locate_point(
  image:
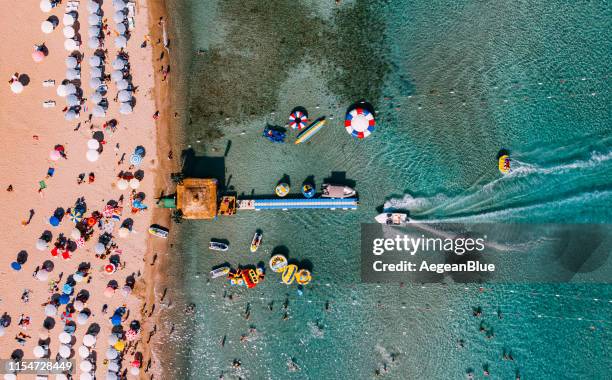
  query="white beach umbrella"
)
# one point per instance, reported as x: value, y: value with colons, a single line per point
x: 116, y: 75
x: 54, y: 155
x: 82, y: 318
x: 38, y: 352
x: 111, y: 353
x: 111, y: 376
x: 121, y: 28
x: 93, y: 144
x: 124, y: 232
x: 71, y: 62
x: 120, y: 42
x: 42, y: 275
x: 45, y: 6
x: 124, y: 96
x: 86, y: 366
x: 47, y: 27
x: 61, y: 90
x: 112, y: 339
x: 134, y: 183
x: 78, y: 305
x: 99, y: 248
x: 70, y: 89
x: 93, y: 7
x: 16, y: 87
x: 119, y: 5
x: 69, y: 18
x: 89, y: 340
x: 118, y: 64
x: 119, y: 16
x: 94, y: 20
x: 72, y: 101
x: 122, y: 84
x: 125, y: 109
x: 83, y: 352
x: 126, y: 291
x: 71, y: 45
x: 86, y: 376
x: 64, y: 337
x: 92, y: 155
x: 95, y: 83
x: 95, y: 61
x: 78, y: 277
x: 96, y: 98
x: 75, y: 234
x: 64, y: 351
x: 73, y: 74
x: 95, y: 72
x: 98, y: 111
x: 122, y: 184
x: 93, y: 31
x: 93, y: 42
x: 50, y: 310
x: 68, y: 31
x: 134, y: 371
x: 70, y: 115
x: 113, y: 366
x: 41, y: 245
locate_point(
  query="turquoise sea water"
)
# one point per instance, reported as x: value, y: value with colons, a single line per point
x: 453, y: 82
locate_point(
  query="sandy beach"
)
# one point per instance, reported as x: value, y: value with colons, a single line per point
x: 30, y: 133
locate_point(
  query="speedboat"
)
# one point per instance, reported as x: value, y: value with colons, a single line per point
x: 218, y: 246
x: 256, y: 242
x: 218, y: 272
x: 393, y: 218
x: 337, y: 191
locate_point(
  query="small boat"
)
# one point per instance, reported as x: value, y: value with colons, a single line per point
x: 218, y: 272
x: 310, y: 131
x: 282, y: 189
x: 256, y: 242
x: 158, y: 231
x: 392, y: 218
x: 308, y: 190
x: 337, y: 191
x: 274, y: 135
x: 218, y: 246
x: 504, y: 164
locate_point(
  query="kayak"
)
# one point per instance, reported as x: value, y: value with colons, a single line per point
x: 307, y: 133
x: 218, y: 272
x: 218, y: 246
x: 256, y: 242
x: 158, y: 231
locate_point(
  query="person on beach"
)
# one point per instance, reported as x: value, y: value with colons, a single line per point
x: 80, y: 178
x: 156, y: 115
x: 14, y: 78
x: 9, y: 188
x: 91, y: 178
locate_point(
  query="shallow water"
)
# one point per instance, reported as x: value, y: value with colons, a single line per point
x: 452, y: 83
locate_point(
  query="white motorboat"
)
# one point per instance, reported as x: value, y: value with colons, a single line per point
x: 337, y: 191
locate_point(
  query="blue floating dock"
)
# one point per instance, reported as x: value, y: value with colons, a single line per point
x: 300, y: 203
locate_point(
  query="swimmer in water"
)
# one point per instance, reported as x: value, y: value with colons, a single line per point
x: 460, y: 343
x: 285, y: 316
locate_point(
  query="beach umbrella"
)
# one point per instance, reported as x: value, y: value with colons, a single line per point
x: 120, y: 42
x: 111, y: 353
x: 95, y: 72
x: 94, y: 20
x: 109, y: 291
x: 131, y: 335
x: 82, y: 318
x: 64, y: 351
x: 135, y: 159
x: 117, y: 75
x: 38, y: 56
x: 94, y: 83
x: 16, y: 266
x: 70, y: 44
x: 54, y: 155
x: 111, y: 376
x: 122, y: 84
x: 76, y: 216
x: 75, y: 233
x: 119, y: 346
x: 99, y: 248
x: 112, y: 339
x: 71, y: 62
x: 126, y: 290
x: 16, y: 87
x: 124, y: 96
x: 50, y: 310
x: 93, y: 31
x: 78, y: 305
x: 110, y: 268
x: 45, y: 6
x: 89, y: 340
x: 92, y: 155
x: 78, y: 277
x: 125, y: 109
x: 41, y: 244
x: 54, y: 221
x: 121, y: 28
x: 93, y: 43
x: 72, y: 74
x: 67, y: 289
x: 86, y: 366
x: 93, y: 144
x: 70, y: 115
x: 115, y: 320
x: 93, y: 8
x: 98, y: 111
x: 118, y: 64
x: 83, y: 352
x: 72, y: 101
x: 69, y: 18
x: 61, y: 90
x: 47, y: 27
x: 119, y: 16
x: 64, y: 337
x: 134, y: 183
x: 68, y: 31
x: 122, y: 184
x: 96, y: 98
x: 119, y: 5
x: 95, y: 61
x: 66, y: 89
x: 123, y: 232
x: 113, y: 366
x: 42, y: 275
x: 38, y: 352
x: 64, y: 299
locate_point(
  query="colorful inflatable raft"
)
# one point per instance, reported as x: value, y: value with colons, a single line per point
x: 307, y: 133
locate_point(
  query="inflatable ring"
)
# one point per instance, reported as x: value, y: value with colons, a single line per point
x: 289, y: 273
x: 278, y: 263
x: 303, y: 277
x: 282, y: 189
x: 298, y: 120
x: 359, y: 123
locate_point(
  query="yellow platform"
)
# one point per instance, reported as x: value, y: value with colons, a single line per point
x: 197, y: 198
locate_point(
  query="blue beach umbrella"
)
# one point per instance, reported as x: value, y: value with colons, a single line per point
x: 67, y: 289
x: 64, y: 299
x: 54, y: 221
x: 15, y: 265
x: 116, y: 320
x: 135, y: 159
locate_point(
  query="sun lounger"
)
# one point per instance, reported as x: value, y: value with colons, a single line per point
x: 131, y: 6
x: 49, y: 104
x: 48, y: 83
